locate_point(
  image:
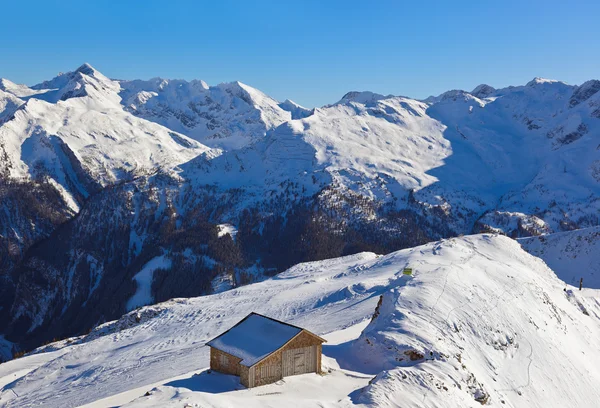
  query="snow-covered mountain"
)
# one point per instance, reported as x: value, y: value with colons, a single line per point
x: 525, y: 155
x: 74, y: 130
x: 369, y: 172
x: 480, y: 322
x: 358, y: 146
x: 522, y: 160
x: 62, y: 141
x: 226, y: 116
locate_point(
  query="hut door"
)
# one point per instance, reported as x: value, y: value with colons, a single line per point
x: 299, y: 361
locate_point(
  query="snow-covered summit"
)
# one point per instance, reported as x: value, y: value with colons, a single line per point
x: 362, y: 97
x: 84, y: 81
x: 542, y: 81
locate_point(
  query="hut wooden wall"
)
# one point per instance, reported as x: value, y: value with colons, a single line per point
x: 299, y: 361
x: 223, y: 362
x: 271, y: 369
x: 245, y: 376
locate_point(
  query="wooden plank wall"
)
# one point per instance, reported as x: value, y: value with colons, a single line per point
x: 246, y: 379
x: 224, y: 362
x: 272, y: 368
x: 299, y: 361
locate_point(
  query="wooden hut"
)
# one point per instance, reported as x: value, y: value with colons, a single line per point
x: 261, y: 350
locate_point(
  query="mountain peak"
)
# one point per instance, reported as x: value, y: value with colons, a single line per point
x: 539, y: 81
x: 362, y: 97
x: 483, y: 91
x: 64, y: 78
x: 6, y: 84
x: 86, y: 69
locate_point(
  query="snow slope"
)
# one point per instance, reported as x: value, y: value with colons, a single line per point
x: 527, y: 149
x: 572, y: 255
x: 480, y: 320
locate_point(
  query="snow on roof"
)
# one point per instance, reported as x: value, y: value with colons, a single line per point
x: 254, y: 338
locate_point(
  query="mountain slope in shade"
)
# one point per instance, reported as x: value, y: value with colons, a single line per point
x: 480, y: 321
x: 9, y: 103
x: 573, y: 255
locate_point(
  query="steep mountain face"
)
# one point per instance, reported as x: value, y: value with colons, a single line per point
x: 479, y: 322
x: 9, y: 104
x: 370, y: 172
x: 226, y: 116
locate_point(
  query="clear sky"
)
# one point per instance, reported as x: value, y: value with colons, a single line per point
x: 309, y: 51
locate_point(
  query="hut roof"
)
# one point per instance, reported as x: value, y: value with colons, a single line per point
x: 255, y: 337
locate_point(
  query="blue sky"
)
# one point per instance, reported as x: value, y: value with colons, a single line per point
x: 309, y: 51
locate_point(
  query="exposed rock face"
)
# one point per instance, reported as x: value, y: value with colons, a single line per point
x: 584, y: 92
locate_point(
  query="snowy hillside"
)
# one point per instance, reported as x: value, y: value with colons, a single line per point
x: 479, y: 322
x: 572, y: 255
